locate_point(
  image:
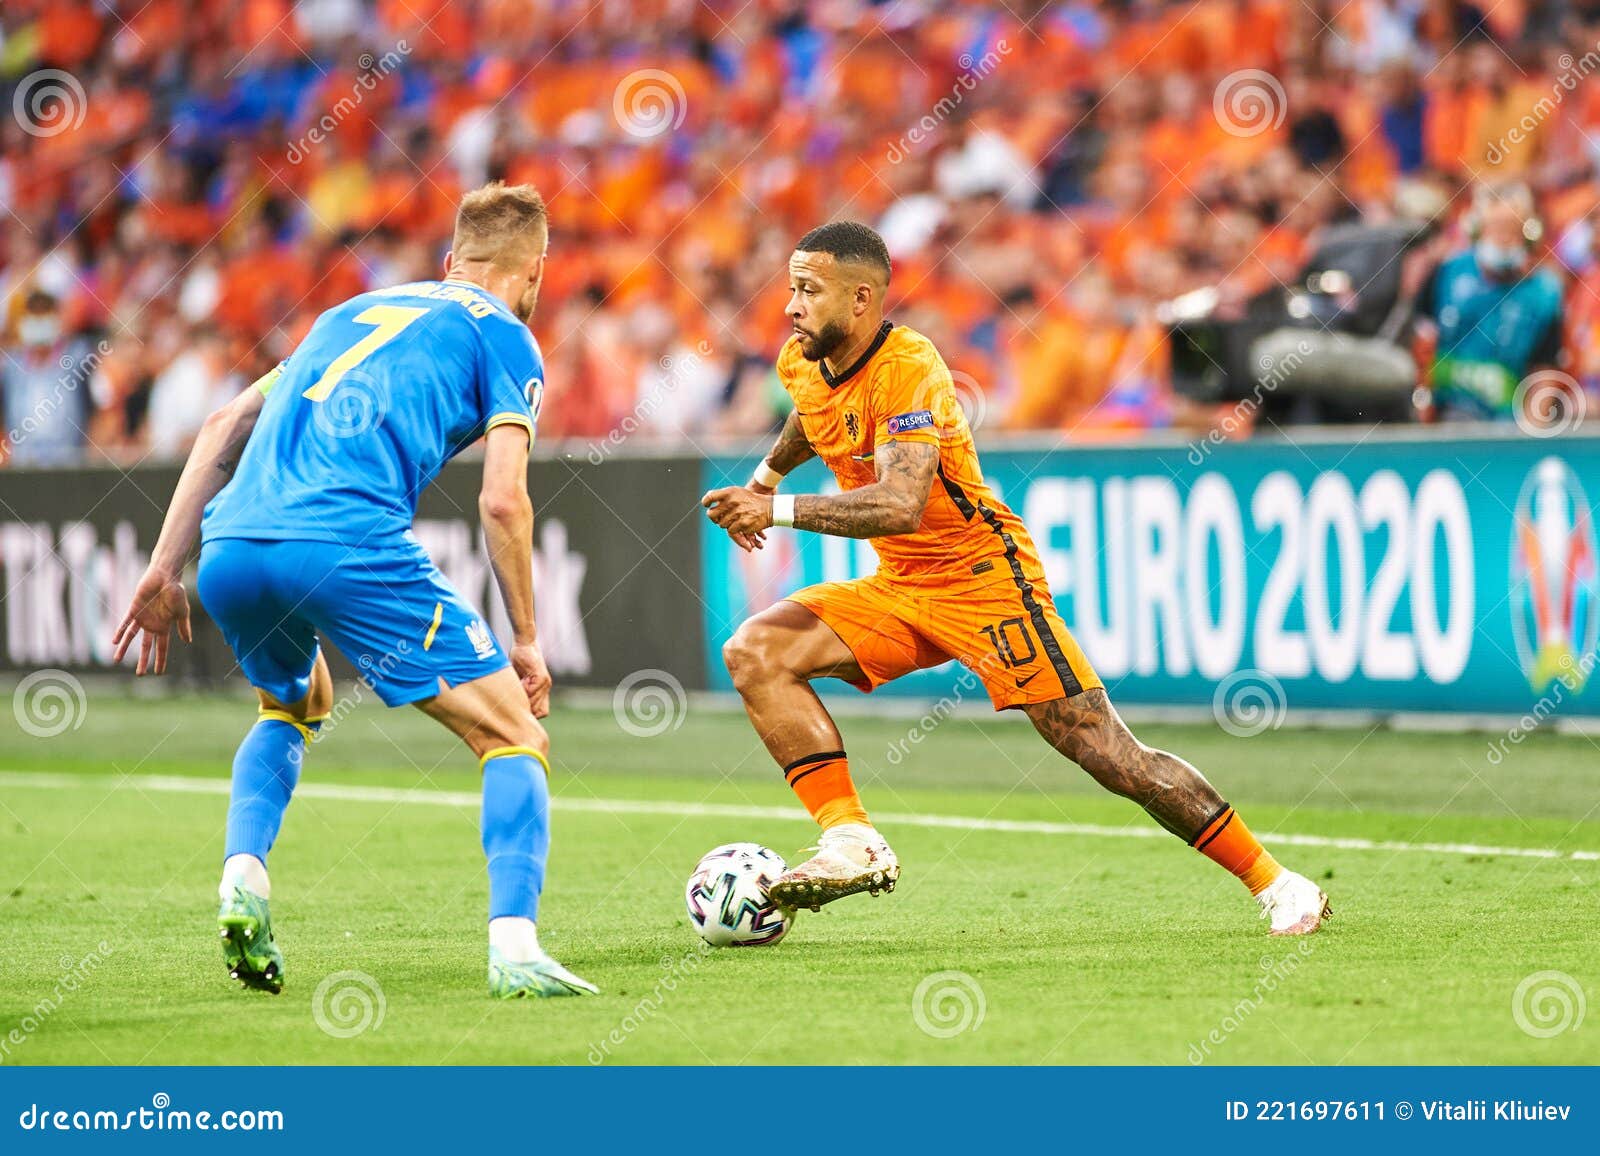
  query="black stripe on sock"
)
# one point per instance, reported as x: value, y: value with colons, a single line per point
x: 813, y: 758
x: 1221, y: 827
x: 803, y: 774
x: 1206, y: 826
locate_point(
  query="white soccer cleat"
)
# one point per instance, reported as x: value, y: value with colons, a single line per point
x: 851, y: 857
x: 1294, y: 904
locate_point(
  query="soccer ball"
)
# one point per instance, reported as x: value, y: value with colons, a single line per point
x: 727, y: 897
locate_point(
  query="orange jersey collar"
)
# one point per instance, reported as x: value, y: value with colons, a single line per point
x: 860, y: 363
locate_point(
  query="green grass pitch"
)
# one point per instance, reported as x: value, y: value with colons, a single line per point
x: 1070, y: 948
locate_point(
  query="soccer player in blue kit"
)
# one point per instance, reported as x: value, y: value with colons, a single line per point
x: 303, y: 490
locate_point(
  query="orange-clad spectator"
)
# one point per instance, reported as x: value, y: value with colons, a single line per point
x: 1256, y: 35
x: 264, y: 25
x: 1062, y: 178
x: 873, y: 82
x: 1451, y: 110
x: 432, y: 29
x: 262, y: 281
x: 69, y: 32
x: 1040, y: 352
x: 1372, y: 167
x: 1582, y: 335
x: 1505, y: 132
x: 1063, y: 357
x: 150, y: 28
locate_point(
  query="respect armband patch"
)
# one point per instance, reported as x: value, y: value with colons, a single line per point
x: 906, y: 422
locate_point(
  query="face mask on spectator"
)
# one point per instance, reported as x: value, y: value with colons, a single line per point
x: 39, y: 329
x: 1499, y: 261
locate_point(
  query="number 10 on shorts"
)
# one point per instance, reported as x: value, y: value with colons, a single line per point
x: 1000, y: 639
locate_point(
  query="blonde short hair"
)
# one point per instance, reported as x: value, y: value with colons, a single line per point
x: 500, y: 224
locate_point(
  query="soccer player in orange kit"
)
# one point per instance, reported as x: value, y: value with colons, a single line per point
x: 958, y: 577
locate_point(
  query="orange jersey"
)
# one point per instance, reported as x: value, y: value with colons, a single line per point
x: 901, y: 390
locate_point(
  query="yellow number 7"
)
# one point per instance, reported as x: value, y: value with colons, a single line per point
x: 389, y: 320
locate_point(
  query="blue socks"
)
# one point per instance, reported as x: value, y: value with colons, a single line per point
x: 265, y: 772
x: 516, y: 809
x: 516, y: 830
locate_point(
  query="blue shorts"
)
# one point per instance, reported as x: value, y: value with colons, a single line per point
x: 386, y: 608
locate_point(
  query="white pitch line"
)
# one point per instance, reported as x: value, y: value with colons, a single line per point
x: 174, y: 784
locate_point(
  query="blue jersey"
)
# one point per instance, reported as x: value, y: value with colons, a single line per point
x: 1491, y: 334
x: 384, y: 390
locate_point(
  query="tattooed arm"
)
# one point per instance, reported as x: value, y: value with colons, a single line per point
x: 891, y: 505
x: 792, y: 448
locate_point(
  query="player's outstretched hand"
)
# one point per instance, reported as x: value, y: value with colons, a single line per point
x: 528, y: 662
x: 159, y: 603
x: 757, y: 540
x: 743, y: 511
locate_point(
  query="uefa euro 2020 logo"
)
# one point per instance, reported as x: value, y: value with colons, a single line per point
x: 1555, y: 590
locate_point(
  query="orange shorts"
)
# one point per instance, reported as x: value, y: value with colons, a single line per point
x: 1008, y: 634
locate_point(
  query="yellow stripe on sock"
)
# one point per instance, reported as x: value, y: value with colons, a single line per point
x: 438, y: 615
x: 284, y: 716
x: 499, y: 752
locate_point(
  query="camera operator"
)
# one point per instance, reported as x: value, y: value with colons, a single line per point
x: 1495, y: 313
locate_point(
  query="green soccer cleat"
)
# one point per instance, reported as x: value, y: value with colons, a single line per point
x: 248, y: 948
x: 542, y: 978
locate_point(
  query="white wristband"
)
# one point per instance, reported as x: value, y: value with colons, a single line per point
x: 767, y: 476
x: 783, y: 509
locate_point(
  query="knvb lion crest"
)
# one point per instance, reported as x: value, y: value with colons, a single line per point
x: 852, y: 425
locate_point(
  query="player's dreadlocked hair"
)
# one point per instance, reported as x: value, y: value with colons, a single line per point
x: 500, y: 223
x: 848, y: 241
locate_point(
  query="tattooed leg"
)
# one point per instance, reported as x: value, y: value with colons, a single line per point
x: 1087, y: 729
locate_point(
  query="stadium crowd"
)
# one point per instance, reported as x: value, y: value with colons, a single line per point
x: 187, y: 183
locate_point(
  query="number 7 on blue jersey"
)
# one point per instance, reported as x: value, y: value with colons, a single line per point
x: 388, y: 321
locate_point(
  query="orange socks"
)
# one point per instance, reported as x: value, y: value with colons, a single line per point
x: 1227, y: 842
x: 824, y: 786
